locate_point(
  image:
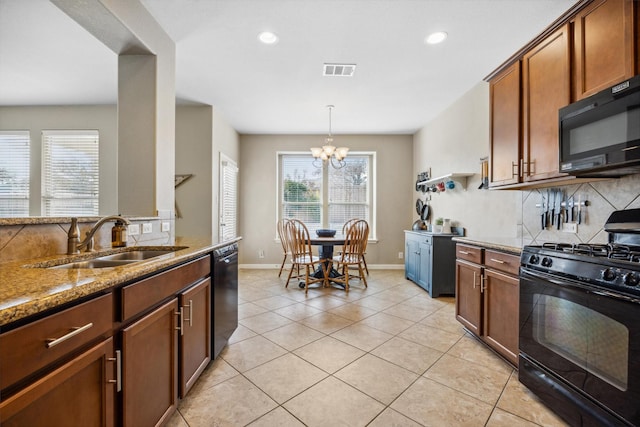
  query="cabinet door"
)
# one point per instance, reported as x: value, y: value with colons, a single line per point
x: 412, y: 259
x: 424, y: 266
x: 469, y: 296
x: 505, y: 106
x: 79, y: 393
x: 546, y: 88
x: 150, y: 367
x: 195, y: 333
x: 501, y: 310
x: 605, y: 51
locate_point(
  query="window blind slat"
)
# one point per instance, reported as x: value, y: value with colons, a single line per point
x: 70, y: 173
x: 14, y: 173
x: 229, y: 200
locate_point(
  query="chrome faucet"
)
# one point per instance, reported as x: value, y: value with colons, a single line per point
x: 74, y: 245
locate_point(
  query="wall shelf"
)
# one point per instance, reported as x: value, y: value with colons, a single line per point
x: 459, y: 178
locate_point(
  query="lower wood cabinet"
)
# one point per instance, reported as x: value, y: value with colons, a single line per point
x: 487, y: 297
x: 79, y: 393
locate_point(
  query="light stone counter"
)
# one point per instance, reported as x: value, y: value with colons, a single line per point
x: 504, y: 244
x: 27, y: 290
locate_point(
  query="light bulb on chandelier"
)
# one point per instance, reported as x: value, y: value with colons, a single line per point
x: 328, y: 152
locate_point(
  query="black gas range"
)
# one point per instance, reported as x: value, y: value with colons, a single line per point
x: 579, y: 328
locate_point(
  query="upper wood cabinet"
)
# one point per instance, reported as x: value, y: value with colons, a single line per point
x: 604, y: 47
x: 505, y: 99
x: 546, y: 88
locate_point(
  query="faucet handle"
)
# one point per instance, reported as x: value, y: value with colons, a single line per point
x: 89, y: 244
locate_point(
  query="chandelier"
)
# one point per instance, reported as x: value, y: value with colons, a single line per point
x: 328, y: 153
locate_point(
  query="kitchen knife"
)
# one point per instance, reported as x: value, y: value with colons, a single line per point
x: 579, y: 208
x: 553, y: 207
x: 558, y: 209
x: 543, y: 216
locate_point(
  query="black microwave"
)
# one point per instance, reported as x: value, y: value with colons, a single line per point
x: 600, y: 135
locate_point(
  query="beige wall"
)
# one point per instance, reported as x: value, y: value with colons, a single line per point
x: 102, y: 118
x: 454, y: 142
x: 258, y: 188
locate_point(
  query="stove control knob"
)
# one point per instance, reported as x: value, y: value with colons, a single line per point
x: 546, y: 262
x: 533, y: 259
x: 631, y: 279
x: 609, y: 274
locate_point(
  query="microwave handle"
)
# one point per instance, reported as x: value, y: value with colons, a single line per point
x: 580, y: 111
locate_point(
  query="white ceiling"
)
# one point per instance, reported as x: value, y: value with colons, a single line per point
x: 399, y: 85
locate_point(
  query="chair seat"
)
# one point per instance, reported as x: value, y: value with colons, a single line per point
x: 306, y: 259
x: 347, y: 258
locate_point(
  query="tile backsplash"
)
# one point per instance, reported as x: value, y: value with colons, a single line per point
x: 603, y: 197
x: 29, y: 241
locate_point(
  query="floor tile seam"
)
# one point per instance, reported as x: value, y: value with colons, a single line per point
x: 504, y: 389
x: 297, y: 348
x: 421, y: 374
x: 361, y: 349
x: 489, y: 366
x: 493, y: 405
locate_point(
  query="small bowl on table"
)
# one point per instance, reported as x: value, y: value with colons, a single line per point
x: 325, y: 232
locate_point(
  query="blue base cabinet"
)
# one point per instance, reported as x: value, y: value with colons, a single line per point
x: 430, y: 261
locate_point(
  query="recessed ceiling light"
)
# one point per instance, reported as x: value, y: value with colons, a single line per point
x: 437, y: 37
x: 267, y: 37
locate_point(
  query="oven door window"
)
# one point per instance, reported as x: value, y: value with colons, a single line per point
x: 592, y: 341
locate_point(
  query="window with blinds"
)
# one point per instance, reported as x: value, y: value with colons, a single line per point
x: 14, y: 173
x: 326, y: 197
x: 229, y: 198
x: 70, y: 172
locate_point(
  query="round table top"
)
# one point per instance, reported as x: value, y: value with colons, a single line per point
x: 338, y: 239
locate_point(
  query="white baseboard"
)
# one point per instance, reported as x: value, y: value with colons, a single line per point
x: 277, y: 266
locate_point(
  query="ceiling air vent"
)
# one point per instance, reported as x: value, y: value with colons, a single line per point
x: 339, y: 70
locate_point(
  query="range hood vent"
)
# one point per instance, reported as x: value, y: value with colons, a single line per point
x: 339, y: 70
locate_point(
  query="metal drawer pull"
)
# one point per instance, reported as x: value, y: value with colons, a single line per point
x: 483, y: 286
x: 51, y: 342
x: 118, y: 360
x: 474, y: 280
x: 499, y: 261
x: 180, y: 314
x: 463, y: 252
x: 190, y: 307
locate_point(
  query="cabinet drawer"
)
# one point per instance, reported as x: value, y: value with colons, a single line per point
x: 146, y: 293
x: 25, y: 350
x: 469, y: 253
x: 428, y: 240
x: 501, y: 261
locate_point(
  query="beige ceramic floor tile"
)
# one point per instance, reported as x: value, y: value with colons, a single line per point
x: 251, y: 352
x: 264, y: 322
x: 443, y: 319
x: 278, y: 417
x: 393, y: 295
x: 410, y: 312
x: 431, y: 337
x: 377, y: 378
x: 284, y: 377
x: 353, y: 312
x: 409, y: 355
x: 235, y: 402
x: 362, y: 336
x: 325, y: 303
x: 241, y: 333
x: 476, y: 380
x: 391, y: 418
x: 500, y: 418
x: 297, y: 311
x: 471, y: 349
x: 293, y: 336
x: 329, y: 354
x: 217, y: 372
x: 387, y: 323
x: 518, y: 400
x: 433, y: 404
x: 375, y: 303
x: 275, y: 302
x: 333, y: 403
x: 326, y: 322
x: 249, y: 309
x: 176, y: 420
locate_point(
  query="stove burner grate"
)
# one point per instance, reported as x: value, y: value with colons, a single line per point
x: 610, y: 250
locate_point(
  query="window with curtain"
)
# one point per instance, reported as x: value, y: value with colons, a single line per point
x: 326, y: 197
x: 14, y: 173
x: 70, y: 172
x: 228, y: 198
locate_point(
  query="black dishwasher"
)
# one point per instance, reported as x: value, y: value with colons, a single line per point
x: 225, y: 296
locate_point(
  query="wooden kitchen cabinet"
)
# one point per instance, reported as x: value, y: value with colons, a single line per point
x: 546, y: 88
x: 79, y: 393
x: 487, y: 297
x: 195, y: 333
x: 505, y: 127
x: 150, y: 367
x: 604, y: 46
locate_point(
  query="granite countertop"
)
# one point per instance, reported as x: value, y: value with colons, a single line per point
x: 27, y: 289
x: 511, y: 245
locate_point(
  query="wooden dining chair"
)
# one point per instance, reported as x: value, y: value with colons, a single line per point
x: 282, y: 235
x: 354, y: 245
x: 299, y: 241
x: 345, y: 227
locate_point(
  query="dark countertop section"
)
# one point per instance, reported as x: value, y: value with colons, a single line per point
x: 512, y: 245
x: 27, y: 287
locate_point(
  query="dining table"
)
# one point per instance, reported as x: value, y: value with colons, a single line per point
x: 325, y: 252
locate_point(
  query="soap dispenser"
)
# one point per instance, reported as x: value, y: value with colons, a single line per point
x: 119, y: 235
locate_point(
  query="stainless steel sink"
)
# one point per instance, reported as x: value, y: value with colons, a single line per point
x: 94, y: 263
x: 120, y: 259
